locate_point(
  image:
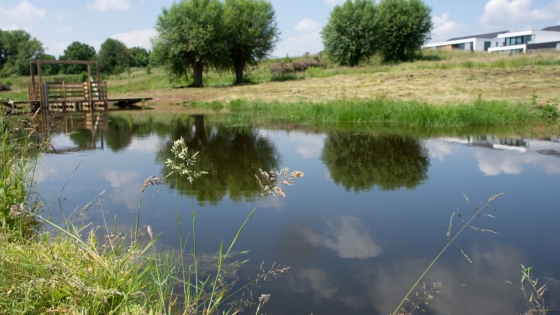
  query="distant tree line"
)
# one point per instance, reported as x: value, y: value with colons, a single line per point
x: 17, y: 48
x: 360, y: 29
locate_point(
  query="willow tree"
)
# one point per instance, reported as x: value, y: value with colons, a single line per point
x: 351, y: 34
x: 405, y: 26
x: 252, y: 32
x: 191, y: 36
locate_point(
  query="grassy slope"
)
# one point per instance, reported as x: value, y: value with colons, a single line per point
x: 443, y: 77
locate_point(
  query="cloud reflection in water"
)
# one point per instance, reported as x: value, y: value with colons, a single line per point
x: 348, y: 239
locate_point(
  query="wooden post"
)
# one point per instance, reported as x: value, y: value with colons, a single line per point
x: 32, y: 90
x: 40, y: 78
x: 97, y: 70
x: 89, y: 87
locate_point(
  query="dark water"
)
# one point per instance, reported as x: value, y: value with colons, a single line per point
x: 368, y: 217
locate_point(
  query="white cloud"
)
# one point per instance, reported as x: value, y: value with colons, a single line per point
x: 307, y: 26
x: 349, y: 239
x: 314, y: 281
x: 103, y: 5
x: 494, y: 162
x: 57, y: 48
x: 139, y: 38
x: 126, y: 186
x: 512, y: 13
x: 438, y: 149
x: 146, y: 145
x: 24, y: 13
x: 308, y: 40
x: 444, y: 28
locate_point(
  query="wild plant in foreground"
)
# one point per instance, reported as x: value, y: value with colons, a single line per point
x: 19, y: 154
x: 204, y: 292
x: 478, y: 212
x: 534, y: 294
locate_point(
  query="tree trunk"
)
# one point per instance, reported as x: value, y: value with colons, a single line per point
x: 239, y: 66
x: 200, y: 131
x: 197, y: 70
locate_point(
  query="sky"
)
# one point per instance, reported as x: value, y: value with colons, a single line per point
x: 58, y: 23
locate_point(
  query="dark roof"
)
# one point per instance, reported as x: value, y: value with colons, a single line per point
x: 489, y: 35
x: 555, y: 28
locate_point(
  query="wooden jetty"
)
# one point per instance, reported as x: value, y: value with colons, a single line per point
x: 71, y: 96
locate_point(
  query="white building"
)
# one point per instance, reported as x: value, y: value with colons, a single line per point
x: 522, y: 41
x: 480, y: 42
x: 548, y: 38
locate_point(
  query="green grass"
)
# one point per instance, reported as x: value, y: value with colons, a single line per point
x: 19, y: 153
x: 380, y: 110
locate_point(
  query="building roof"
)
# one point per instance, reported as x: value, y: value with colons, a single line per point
x: 555, y: 28
x: 489, y: 35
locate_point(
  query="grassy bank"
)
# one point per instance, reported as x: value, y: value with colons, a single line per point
x: 49, y: 268
x: 381, y: 110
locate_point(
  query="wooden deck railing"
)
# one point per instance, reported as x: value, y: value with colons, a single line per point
x: 72, y: 96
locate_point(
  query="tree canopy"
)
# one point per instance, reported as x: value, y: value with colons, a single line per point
x: 361, y: 161
x: 140, y: 56
x: 17, y: 48
x: 405, y: 26
x: 77, y: 51
x: 252, y: 32
x: 191, y: 36
x: 359, y: 29
x: 351, y: 33
x: 114, y: 57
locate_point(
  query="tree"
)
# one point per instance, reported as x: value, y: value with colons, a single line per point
x: 361, y: 161
x: 191, y: 35
x: 17, y: 48
x: 114, y: 57
x: 405, y: 26
x: 50, y: 69
x: 252, y: 32
x: 140, y: 56
x: 351, y: 34
x: 77, y: 51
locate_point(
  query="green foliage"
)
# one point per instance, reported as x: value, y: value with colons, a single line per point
x: 19, y: 152
x: 549, y: 111
x: 405, y: 26
x: 17, y: 48
x: 149, y: 69
x: 191, y: 35
x: 252, y: 32
x: 83, y: 77
x: 140, y: 57
x: 482, y: 113
x: 49, y: 69
x: 389, y: 162
x: 77, y: 51
x: 352, y: 32
x: 114, y: 57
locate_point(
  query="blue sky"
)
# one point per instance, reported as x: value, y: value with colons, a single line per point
x: 58, y: 23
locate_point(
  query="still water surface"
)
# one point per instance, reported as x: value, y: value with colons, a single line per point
x: 370, y: 214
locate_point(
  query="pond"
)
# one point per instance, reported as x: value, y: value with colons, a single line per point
x: 368, y: 217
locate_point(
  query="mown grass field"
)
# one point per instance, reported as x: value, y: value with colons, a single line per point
x: 438, y: 78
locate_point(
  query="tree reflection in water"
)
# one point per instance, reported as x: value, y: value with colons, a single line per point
x: 231, y: 156
x: 361, y: 161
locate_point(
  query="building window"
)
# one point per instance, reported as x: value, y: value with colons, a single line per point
x: 519, y: 40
